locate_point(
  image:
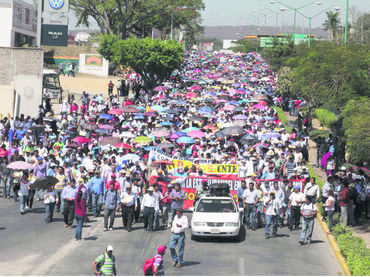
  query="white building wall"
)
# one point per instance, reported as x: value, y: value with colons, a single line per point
x: 97, y: 70
x: 6, y: 25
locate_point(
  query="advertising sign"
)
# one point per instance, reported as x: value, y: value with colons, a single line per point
x: 189, y: 185
x: 56, y: 6
x: 54, y: 35
x: 93, y: 60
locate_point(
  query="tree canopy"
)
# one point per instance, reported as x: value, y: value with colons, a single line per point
x: 153, y: 59
x: 138, y: 17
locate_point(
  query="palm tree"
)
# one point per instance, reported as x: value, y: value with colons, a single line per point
x: 332, y: 23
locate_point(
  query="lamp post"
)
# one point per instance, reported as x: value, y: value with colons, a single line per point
x: 295, y: 11
x: 346, y: 25
x: 312, y: 17
x: 265, y: 15
x: 277, y: 16
x: 256, y: 24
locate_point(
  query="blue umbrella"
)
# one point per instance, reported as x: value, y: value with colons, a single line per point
x: 180, y: 134
x: 205, y: 109
x: 210, y: 93
x: 148, y: 148
x: 158, y: 108
x: 106, y: 116
x: 140, y: 108
x: 139, y: 116
x: 185, y: 140
x: 166, y: 123
x: 103, y: 131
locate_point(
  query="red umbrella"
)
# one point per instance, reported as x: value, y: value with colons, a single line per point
x: 80, y: 140
x: 115, y: 111
x: 195, y: 87
x: 129, y: 109
x: 264, y: 103
x: 122, y: 145
x: 190, y: 95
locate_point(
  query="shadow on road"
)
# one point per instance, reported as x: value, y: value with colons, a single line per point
x: 317, y: 241
x: 282, y: 236
x: 91, y: 238
x: 2, y: 228
x: 38, y: 211
x: 190, y: 263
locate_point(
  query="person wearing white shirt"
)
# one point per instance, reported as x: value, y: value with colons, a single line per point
x: 149, y: 205
x: 273, y: 210
x: 312, y: 189
x: 128, y: 205
x: 88, y: 162
x: 179, y: 225
x: 250, y: 200
x: 295, y: 201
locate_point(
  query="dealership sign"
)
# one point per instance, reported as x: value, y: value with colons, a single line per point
x: 57, y: 6
x: 54, y: 35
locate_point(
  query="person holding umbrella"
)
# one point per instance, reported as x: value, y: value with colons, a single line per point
x: 50, y: 197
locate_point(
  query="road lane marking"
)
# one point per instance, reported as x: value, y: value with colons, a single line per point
x: 241, y: 266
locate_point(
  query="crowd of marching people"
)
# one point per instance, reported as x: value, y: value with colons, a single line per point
x: 216, y: 110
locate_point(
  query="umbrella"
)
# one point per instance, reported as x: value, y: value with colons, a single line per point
x: 196, y: 134
x: 180, y: 134
x: 240, y: 117
x: 185, y: 140
x: 195, y: 118
x: 127, y: 135
x: 258, y: 106
x: 161, y: 133
x: 205, y: 109
x: 190, y: 95
x: 158, y: 108
x: 131, y: 157
x: 110, y: 141
x: 89, y: 126
x: 122, y: 145
x: 73, y: 145
x: 163, y: 162
x: 173, y: 111
x: 129, y: 109
x: 105, y: 116
x: 210, y: 127
x: 37, y: 127
x: 149, y: 114
x: 20, y: 165
x: 160, y: 88
x: 187, y: 130
x: 166, y: 123
x: 166, y: 145
x: 80, y: 140
x: 148, y: 148
x: 139, y: 116
x: 44, y: 182
x: 102, y: 131
x: 263, y: 103
x: 115, y: 111
x: 142, y: 140
x: 233, y: 131
x: 195, y: 87
x: 106, y: 127
x: 270, y: 135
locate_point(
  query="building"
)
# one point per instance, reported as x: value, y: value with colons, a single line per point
x: 18, y: 23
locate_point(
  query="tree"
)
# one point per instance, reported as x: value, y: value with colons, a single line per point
x: 362, y: 28
x: 137, y: 17
x: 279, y: 53
x: 246, y: 46
x: 154, y: 60
x: 332, y: 23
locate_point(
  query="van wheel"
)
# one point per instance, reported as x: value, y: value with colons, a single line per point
x: 193, y: 237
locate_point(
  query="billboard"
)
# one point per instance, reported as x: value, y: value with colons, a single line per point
x: 56, y: 6
x: 54, y: 35
x: 93, y: 60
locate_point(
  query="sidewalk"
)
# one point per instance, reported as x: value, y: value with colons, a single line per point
x: 363, y: 229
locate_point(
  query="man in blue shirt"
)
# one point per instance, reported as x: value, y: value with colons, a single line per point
x: 177, y: 196
x: 111, y: 204
x: 96, y: 189
x: 68, y: 195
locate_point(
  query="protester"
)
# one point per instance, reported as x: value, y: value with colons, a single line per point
x: 110, y: 205
x: 128, y: 205
x: 80, y: 213
x: 105, y: 265
x: 68, y: 195
x: 308, y: 211
x: 273, y: 209
x: 180, y: 224
x: 329, y: 208
x: 250, y: 201
x: 50, y: 198
x: 149, y: 206
x: 295, y: 201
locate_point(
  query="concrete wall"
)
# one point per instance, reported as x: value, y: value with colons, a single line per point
x: 97, y: 70
x: 6, y: 25
x: 21, y: 71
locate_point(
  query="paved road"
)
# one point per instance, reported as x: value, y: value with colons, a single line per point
x: 31, y: 247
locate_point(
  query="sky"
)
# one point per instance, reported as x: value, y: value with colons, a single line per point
x: 234, y: 12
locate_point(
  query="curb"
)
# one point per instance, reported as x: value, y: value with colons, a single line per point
x: 334, y: 246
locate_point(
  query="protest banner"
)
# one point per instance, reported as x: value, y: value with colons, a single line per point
x: 208, y: 168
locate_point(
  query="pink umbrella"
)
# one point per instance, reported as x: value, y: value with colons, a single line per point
x: 149, y: 114
x: 222, y: 101
x: 232, y: 90
x: 228, y: 108
x: 263, y: 103
x: 20, y: 165
x: 190, y: 95
x: 174, y: 136
x: 80, y: 140
x: 195, y: 87
x: 161, y: 133
x: 122, y: 145
x: 115, y: 111
x: 107, y: 127
x: 160, y: 88
x: 197, y: 70
x: 196, y: 134
x: 258, y: 106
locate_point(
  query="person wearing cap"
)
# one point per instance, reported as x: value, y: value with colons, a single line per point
x: 62, y: 181
x: 308, y: 211
x: 295, y: 201
x: 68, y: 195
x: 273, y: 210
x: 269, y: 174
x: 179, y: 225
x: 96, y: 188
x: 159, y: 196
x: 106, y: 262
x: 39, y: 171
x: 111, y: 202
x: 116, y: 184
x: 149, y: 206
x: 167, y: 218
x: 128, y: 205
x: 27, y: 141
x: 158, y: 267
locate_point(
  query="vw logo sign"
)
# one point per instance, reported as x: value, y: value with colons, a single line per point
x: 56, y: 4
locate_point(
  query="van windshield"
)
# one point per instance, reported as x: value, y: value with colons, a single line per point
x: 216, y: 206
x: 51, y: 81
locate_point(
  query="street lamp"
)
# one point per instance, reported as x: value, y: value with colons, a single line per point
x: 256, y: 24
x: 265, y: 15
x: 295, y: 11
x: 312, y: 17
x: 277, y: 16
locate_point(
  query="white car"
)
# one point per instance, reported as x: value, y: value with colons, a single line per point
x: 216, y: 216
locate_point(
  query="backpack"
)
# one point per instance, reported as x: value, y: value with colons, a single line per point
x: 148, y: 266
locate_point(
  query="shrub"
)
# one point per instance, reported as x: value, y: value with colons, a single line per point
x: 283, y: 119
x: 315, y: 134
x: 325, y: 117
